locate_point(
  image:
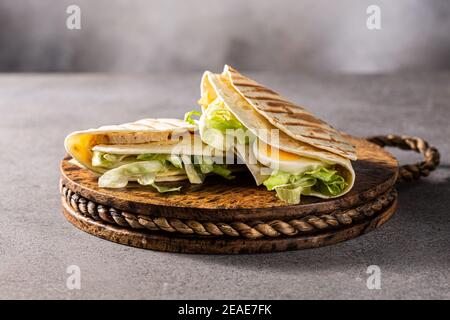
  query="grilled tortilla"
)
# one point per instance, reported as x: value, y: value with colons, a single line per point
x: 290, y: 118
x: 146, y: 151
x: 150, y: 132
x: 304, y: 153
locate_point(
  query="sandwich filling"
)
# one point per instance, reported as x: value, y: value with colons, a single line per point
x: 148, y: 168
x: 289, y: 174
x: 231, y: 120
x: 148, y: 152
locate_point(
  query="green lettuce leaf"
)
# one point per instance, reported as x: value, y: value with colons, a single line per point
x: 144, y: 172
x: 146, y: 179
x: 193, y: 176
x: 290, y: 195
x: 162, y: 189
x: 152, y: 156
x: 329, y: 181
x: 175, y: 161
x: 144, y: 168
x: 204, y: 164
x: 108, y: 161
x: 222, y: 170
x: 219, y: 128
x: 215, y: 138
x: 290, y: 187
x: 207, y: 165
x: 149, y: 180
x: 188, y: 116
x: 277, y: 179
x: 217, y: 116
x: 119, y: 177
x: 165, y: 159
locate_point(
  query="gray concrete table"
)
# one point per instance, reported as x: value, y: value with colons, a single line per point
x: 37, y: 244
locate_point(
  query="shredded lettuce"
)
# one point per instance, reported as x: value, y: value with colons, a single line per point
x: 188, y: 116
x: 198, y: 167
x: 144, y: 168
x: 290, y: 195
x: 175, y: 161
x: 221, y: 170
x: 219, y: 127
x: 278, y: 178
x: 152, y: 156
x: 220, y: 118
x: 119, y: 177
x: 108, y: 161
x: 329, y: 182
x: 162, y: 189
x: 215, y: 138
x: 146, y: 179
x: 144, y: 172
x: 206, y: 165
x: 290, y: 187
x: 193, y: 176
x: 165, y: 159
x: 149, y: 180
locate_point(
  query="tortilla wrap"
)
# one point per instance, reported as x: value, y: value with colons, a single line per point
x: 148, y: 136
x: 221, y: 86
x: 290, y: 118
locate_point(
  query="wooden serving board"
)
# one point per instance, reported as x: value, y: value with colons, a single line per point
x: 223, y: 216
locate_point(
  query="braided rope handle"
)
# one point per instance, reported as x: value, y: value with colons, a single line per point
x: 409, y: 172
x: 249, y: 230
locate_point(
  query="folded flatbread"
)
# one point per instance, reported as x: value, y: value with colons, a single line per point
x: 286, y: 148
x: 147, y: 151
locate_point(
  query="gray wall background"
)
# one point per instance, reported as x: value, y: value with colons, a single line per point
x: 193, y: 35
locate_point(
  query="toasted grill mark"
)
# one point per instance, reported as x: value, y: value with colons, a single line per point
x: 319, y: 131
x: 247, y: 84
x: 284, y: 103
x: 301, y: 123
x: 298, y: 123
x: 294, y: 118
x: 266, y: 98
x: 254, y: 88
x: 300, y: 118
x: 304, y: 116
x: 275, y: 109
x: 314, y: 137
x: 262, y: 89
x: 330, y: 139
x: 307, y: 117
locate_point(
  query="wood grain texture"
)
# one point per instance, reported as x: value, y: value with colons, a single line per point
x: 161, y: 241
x: 250, y: 230
x: 240, y: 199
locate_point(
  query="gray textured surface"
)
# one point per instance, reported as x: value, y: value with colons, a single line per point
x: 261, y: 35
x: 37, y: 243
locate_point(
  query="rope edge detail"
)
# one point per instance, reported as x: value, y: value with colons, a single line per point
x: 249, y: 230
x: 417, y: 170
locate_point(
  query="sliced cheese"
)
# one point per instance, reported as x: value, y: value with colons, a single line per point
x: 277, y: 159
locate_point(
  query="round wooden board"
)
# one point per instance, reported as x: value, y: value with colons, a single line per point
x: 240, y: 199
x: 163, y: 241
